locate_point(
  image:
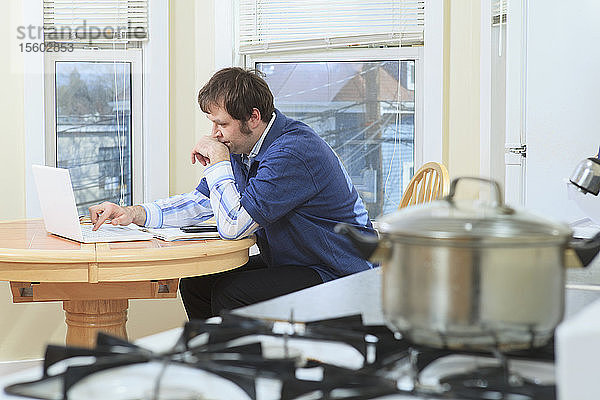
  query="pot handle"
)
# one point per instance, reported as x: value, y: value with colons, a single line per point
x: 499, y: 203
x: 365, y: 245
x: 585, y: 251
x: 368, y: 246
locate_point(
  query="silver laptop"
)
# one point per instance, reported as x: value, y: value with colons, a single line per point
x: 60, y: 212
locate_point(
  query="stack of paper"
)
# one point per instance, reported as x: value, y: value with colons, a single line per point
x: 584, y: 228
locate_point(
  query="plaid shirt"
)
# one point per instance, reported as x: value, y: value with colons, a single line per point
x: 192, y: 208
x: 187, y: 209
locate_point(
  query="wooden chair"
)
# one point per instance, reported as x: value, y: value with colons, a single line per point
x: 431, y: 182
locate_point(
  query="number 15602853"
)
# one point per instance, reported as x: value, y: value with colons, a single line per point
x: 45, y: 47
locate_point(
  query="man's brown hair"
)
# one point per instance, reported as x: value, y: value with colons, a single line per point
x: 239, y: 91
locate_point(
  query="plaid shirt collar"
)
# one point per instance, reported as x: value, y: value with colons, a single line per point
x: 247, y: 159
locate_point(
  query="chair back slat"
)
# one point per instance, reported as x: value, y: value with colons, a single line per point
x: 435, y: 190
x: 429, y: 183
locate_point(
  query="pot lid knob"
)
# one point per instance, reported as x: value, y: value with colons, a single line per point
x: 499, y: 203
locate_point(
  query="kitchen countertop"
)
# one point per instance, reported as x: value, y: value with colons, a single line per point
x: 589, y: 276
x: 353, y: 294
x: 360, y: 293
x: 583, y: 277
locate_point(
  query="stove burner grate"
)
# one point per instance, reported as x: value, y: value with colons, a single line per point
x: 493, y: 383
x: 232, y: 352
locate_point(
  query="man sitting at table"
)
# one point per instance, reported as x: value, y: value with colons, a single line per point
x: 266, y: 174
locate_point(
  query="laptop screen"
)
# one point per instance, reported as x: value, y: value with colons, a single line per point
x: 57, y: 201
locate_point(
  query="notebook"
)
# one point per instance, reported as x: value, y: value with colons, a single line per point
x: 60, y: 212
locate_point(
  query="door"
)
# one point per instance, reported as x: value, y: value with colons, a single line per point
x: 553, y: 100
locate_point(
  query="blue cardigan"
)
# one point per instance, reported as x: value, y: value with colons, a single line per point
x: 297, y: 190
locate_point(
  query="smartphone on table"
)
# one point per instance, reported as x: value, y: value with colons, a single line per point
x: 199, y: 228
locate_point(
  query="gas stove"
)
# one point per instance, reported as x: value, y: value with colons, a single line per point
x: 235, y: 357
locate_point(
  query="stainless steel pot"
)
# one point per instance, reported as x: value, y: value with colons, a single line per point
x: 472, y: 275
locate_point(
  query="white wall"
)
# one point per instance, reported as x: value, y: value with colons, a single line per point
x: 462, y: 67
x: 562, y: 101
x: 192, y: 64
x: 12, y: 141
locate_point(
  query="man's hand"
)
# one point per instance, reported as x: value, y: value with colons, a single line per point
x: 209, y: 151
x: 118, y: 215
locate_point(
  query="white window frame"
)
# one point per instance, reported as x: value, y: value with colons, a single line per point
x: 363, y: 55
x: 155, y: 108
x: 132, y: 56
x: 432, y: 72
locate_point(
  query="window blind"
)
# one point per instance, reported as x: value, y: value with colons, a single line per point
x: 279, y: 25
x: 95, y: 21
x: 499, y: 12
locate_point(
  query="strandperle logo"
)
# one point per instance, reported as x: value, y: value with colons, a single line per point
x: 83, y: 31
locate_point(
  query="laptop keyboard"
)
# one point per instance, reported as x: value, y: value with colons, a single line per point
x: 107, y: 232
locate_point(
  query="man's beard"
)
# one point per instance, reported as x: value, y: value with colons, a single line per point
x: 245, y: 129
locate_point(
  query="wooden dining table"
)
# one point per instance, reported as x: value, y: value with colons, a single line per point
x: 95, y: 281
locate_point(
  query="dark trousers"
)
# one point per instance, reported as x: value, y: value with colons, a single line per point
x: 205, y: 296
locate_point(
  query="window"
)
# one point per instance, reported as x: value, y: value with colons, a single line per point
x: 364, y: 110
x: 93, y: 88
x: 93, y: 123
x: 353, y: 71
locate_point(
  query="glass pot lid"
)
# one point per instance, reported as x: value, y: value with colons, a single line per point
x: 472, y: 220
